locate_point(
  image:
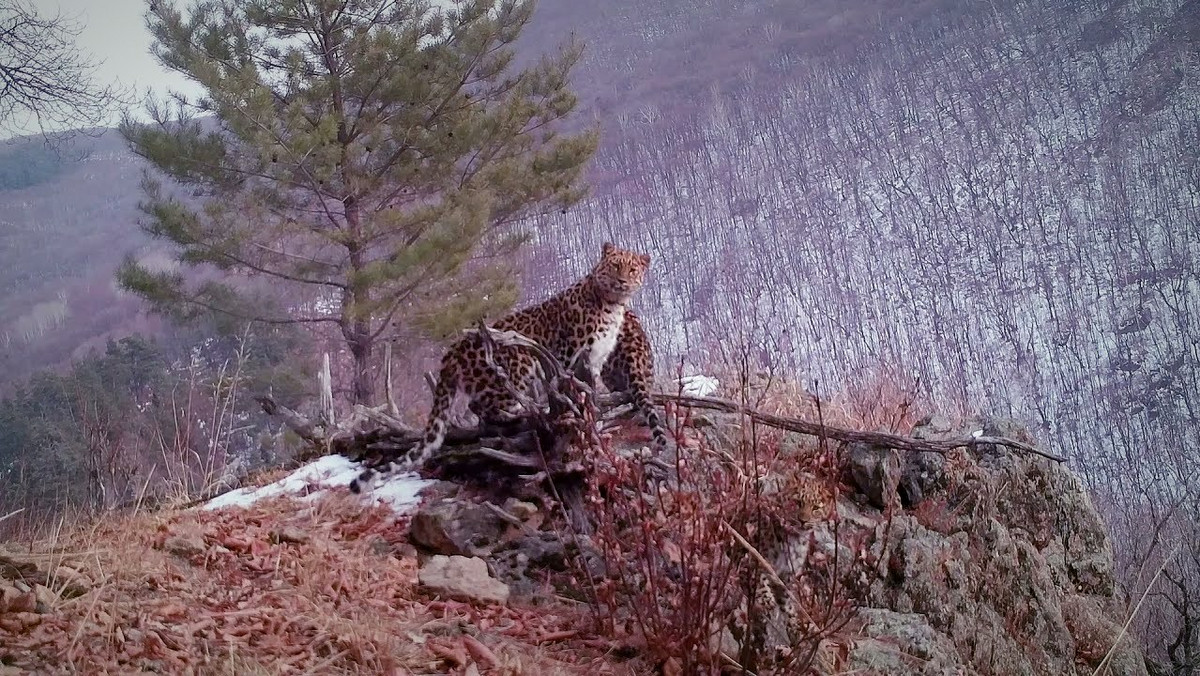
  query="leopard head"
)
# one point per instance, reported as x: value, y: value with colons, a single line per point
x: 619, y: 273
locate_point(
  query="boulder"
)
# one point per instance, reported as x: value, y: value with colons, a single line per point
x: 463, y: 578
x: 455, y: 526
x: 875, y: 472
x: 994, y: 562
x: 894, y: 639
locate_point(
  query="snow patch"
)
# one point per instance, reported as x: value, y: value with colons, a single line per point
x: 698, y: 385
x: 313, y: 480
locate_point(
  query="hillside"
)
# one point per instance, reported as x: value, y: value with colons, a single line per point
x: 64, y: 227
x: 995, y: 208
x: 853, y: 180
x: 992, y: 209
x: 983, y: 560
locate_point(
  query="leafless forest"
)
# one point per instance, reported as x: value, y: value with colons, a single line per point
x: 1001, y: 199
x: 998, y: 201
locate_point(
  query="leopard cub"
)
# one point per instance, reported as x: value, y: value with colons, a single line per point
x: 585, y: 319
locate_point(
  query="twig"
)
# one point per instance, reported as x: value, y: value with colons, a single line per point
x: 1133, y: 614
x: 507, y: 517
x: 325, y: 379
x: 387, y: 420
x: 307, y: 429
x: 387, y: 380
x: 766, y: 566
x: 754, y: 554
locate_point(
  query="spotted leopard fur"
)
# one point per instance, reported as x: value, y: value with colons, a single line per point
x: 585, y: 320
x: 630, y: 369
x: 770, y: 622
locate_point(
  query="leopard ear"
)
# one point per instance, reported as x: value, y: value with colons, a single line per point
x: 607, y: 249
x: 645, y: 259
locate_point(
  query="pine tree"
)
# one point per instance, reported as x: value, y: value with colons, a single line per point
x: 380, y: 154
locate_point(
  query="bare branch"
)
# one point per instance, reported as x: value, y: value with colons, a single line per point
x: 851, y: 436
x: 46, y: 83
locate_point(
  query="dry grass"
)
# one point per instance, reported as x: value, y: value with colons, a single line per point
x: 218, y: 593
x: 883, y: 399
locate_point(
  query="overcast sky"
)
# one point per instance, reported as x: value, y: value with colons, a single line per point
x: 115, y: 34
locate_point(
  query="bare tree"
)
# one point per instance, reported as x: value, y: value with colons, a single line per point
x: 46, y: 82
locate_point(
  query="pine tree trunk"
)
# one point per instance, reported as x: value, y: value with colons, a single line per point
x: 361, y: 347
x: 355, y: 327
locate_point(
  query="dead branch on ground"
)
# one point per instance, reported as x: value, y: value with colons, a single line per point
x: 879, y: 439
x: 392, y: 439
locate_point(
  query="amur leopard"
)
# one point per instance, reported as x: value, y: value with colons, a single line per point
x: 630, y: 369
x: 586, y: 319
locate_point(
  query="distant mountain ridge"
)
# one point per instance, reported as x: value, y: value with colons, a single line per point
x: 63, y: 229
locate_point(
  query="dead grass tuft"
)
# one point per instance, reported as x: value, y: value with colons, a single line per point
x: 883, y: 398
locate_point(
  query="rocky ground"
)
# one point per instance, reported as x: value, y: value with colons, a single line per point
x: 979, y: 561
x: 998, y: 563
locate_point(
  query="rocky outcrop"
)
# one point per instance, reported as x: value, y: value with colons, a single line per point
x: 989, y: 560
x: 997, y: 563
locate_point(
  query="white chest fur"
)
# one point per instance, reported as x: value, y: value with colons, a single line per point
x: 606, y: 337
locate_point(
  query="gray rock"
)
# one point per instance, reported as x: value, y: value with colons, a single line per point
x: 1017, y: 578
x: 516, y: 562
x: 455, y: 527
x: 912, y: 635
x: 875, y: 472
x: 463, y: 578
x: 543, y: 550
x: 920, y: 475
x: 1094, y: 632
x: 379, y: 546
x: 936, y: 426
x: 289, y: 535
x: 873, y: 656
x: 185, y: 545
x: 521, y: 509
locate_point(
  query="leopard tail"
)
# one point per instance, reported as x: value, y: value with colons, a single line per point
x: 431, y: 441
x: 435, y: 429
x: 642, y: 403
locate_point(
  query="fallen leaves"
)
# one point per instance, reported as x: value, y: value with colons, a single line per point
x: 289, y: 586
x: 482, y: 654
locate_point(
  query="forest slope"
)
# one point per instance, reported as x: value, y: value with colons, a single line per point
x: 1002, y: 201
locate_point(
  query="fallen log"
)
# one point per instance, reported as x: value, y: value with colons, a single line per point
x: 390, y: 441
x: 816, y: 429
x: 384, y: 443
